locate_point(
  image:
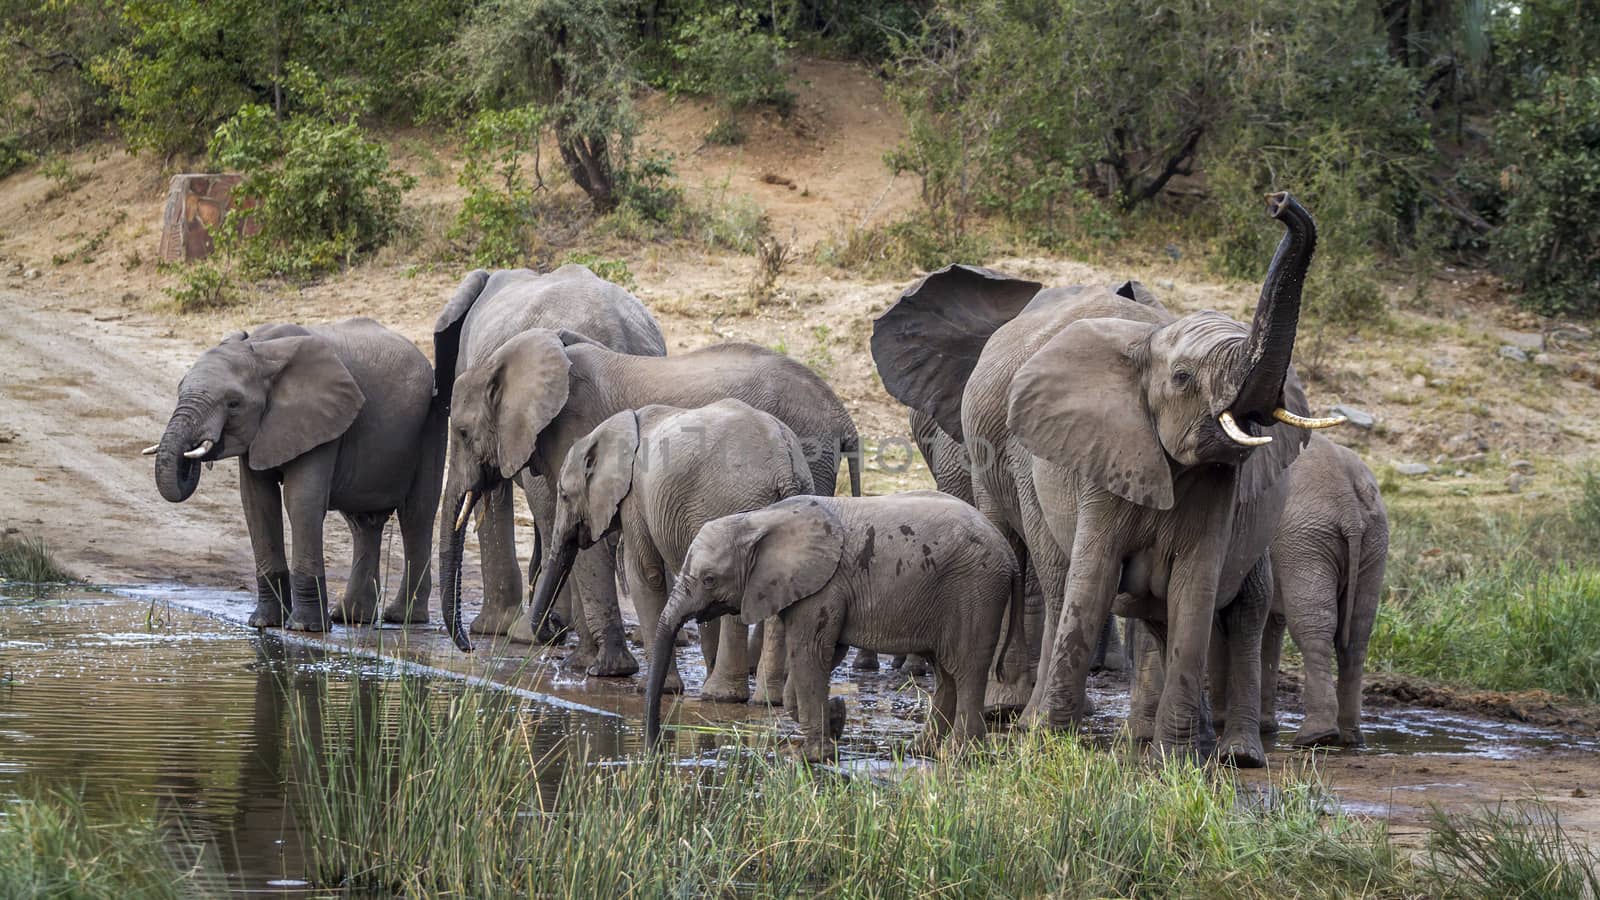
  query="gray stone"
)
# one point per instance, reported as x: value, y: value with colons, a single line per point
x: 1552, y: 361
x: 1521, y: 465
x: 31, y: 274
x: 1412, y: 468
x: 1523, y: 340
x: 1418, y: 380
x: 1166, y: 284
x: 1516, y: 482
x: 1360, y: 418
x: 1515, y: 354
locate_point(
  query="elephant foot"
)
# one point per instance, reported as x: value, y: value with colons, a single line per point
x: 836, y: 718
x: 358, y: 613
x: 720, y: 689
x: 769, y: 692
x: 1351, y: 737
x: 1005, y: 697
x: 401, y: 612
x: 1314, y: 735
x: 521, y: 631
x: 865, y: 661
x: 1269, y: 725
x: 310, y: 611
x: 552, y: 631
x: 267, y: 614
x: 823, y: 751
x: 495, y: 619
x: 1178, y: 751
x: 614, y: 662
x: 672, y: 684
x: 1243, y: 750
x: 1111, y: 662
x: 272, y: 600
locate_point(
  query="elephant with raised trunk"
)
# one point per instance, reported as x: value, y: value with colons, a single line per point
x: 656, y: 475
x: 1125, y: 450
x: 488, y: 309
x: 918, y: 572
x: 328, y: 417
x: 529, y: 401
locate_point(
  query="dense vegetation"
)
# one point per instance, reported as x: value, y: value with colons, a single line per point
x: 1419, y: 130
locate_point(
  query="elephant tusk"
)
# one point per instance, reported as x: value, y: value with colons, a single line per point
x: 202, y: 450
x: 466, y: 510
x: 1232, y: 430
x: 1299, y: 421
x: 150, y: 450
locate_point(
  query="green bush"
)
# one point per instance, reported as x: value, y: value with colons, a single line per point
x: 49, y: 847
x: 28, y: 559
x: 49, y: 99
x: 323, y: 192
x: 722, y: 51
x: 501, y: 176
x: 1548, y: 244
x: 205, y: 285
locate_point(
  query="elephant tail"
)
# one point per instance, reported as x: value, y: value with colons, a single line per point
x: 1352, y: 582
x: 850, y: 446
x: 1014, y: 624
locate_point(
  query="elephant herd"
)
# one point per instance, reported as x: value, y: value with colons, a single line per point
x: 1091, y: 448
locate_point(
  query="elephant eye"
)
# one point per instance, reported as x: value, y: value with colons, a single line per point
x: 234, y: 403
x: 1181, y: 379
x: 709, y: 580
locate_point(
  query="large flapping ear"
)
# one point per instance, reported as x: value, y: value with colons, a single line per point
x: 794, y: 551
x: 1268, y: 463
x: 1079, y: 402
x: 606, y: 456
x: 311, y: 398
x: 927, y: 343
x: 528, y: 387
x: 447, y: 332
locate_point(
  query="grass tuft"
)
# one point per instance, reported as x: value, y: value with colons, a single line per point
x: 1509, y: 854
x: 50, y: 848
x: 28, y: 559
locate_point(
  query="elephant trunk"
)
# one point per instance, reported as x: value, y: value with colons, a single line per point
x: 178, y: 474
x: 1265, y: 364
x: 679, y: 608
x: 455, y: 513
x: 553, y: 572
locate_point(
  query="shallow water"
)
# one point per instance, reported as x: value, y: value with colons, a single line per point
x: 162, y: 699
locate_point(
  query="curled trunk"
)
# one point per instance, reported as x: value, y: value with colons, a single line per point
x: 176, y: 476
x: 553, y: 574
x: 661, y: 655
x: 1265, y: 362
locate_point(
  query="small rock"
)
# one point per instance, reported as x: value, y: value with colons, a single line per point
x: 1471, y: 459
x: 1515, y: 482
x: 31, y: 274
x: 1521, y: 465
x: 1360, y: 418
x: 1418, y: 380
x: 1412, y: 469
x: 1173, y: 252
x: 1515, y: 354
x: 1579, y: 793
x: 1523, y: 340
x: 1552, y: 361
x: 1460, y: 473
x: 1166, y: 284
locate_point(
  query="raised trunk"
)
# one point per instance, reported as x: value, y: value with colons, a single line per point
x: 672, y: 619
x: 553, y: 574
x: 176, y: 476
x: 1265, y: 362
x: 454, y: 509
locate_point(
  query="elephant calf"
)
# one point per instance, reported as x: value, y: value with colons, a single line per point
x: 919, y: 572
x: 1328, y: 559
x: 657, y: 475
x: 330, y: 417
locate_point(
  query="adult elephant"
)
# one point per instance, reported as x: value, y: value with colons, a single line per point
x: 487, y: 310
x: 525, y: 406
x: 330, y: 417
x: 1118, y: 445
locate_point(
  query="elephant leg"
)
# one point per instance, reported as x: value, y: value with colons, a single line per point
x: 865, y: 661
x: 1012, y: 693
x: 1062, y: 698
x: 263, y: 515
x: 1182, y: 720
x: 752, y: 648
x: 1217, y: 676
x: 647, y: 579
x: 542, y: 510
x: 502, y: 577
x: 1353, y: 650
x: 1148, y: 643
x: 1352, y: 662
x: 710, y: 641
x: 594, y: 571
x: 359, y: 605
x: 1310, y: 607
x: 305, y: 495
x: 772, y: 671
x: 416, y: 516
x: 915, y: 664
x: 942, y: 714
x: 1271, y: 656
x: 1242, y: 623
x: 813, y: 650
x: 729, y: 679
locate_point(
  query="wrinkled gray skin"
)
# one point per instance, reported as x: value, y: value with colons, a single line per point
x: 488, y: 309
x: 918, y: 572
x: 332, y: 417
x: 655, y: 476
x: 538, y: 394
x: 1092, y: 417
x: 1328, y: 559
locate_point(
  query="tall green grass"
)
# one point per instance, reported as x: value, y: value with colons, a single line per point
x: 1502, y: 600
x: 49, y: 847
x: 28, y: 559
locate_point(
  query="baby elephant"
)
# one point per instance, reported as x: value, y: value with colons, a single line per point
x: 919, y: 572
x: 327, y: 417
x: 1327, y: 565
x: 657, y: 475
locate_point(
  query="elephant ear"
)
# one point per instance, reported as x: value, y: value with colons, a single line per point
x: 528, y: 387
x: 606, y: 456
x: 1267, y: 463
x: 311, y: 398
x: 570, y: 337
x: 1079, y: 403
x: 795, y: 549
x: 447, y: 332
x: 927, y: 343
x: 1138, y: 293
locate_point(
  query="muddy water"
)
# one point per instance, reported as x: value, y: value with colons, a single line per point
x: 161, y: 698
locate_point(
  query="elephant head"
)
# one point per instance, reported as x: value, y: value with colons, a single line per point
x: 595, y: 477
x: 1113, y: 399
x: 753, y: 565
x: 270, y: 396
x: 499, y: 408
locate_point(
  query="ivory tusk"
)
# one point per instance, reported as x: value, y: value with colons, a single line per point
x: 1299, y: 421
x: 1232, y: 429
x: 150, y: 450
x: 202, y: 450
x: 466, y: 511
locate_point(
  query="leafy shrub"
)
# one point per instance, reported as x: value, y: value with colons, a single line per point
x: 323, y: 192
x: 1549, y: 243
x: 722, y: 51
x: 28, y: 559
x: 204, y: 285
x: 501, y: 175
x: 49, y: 99
x: 615, y: 271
